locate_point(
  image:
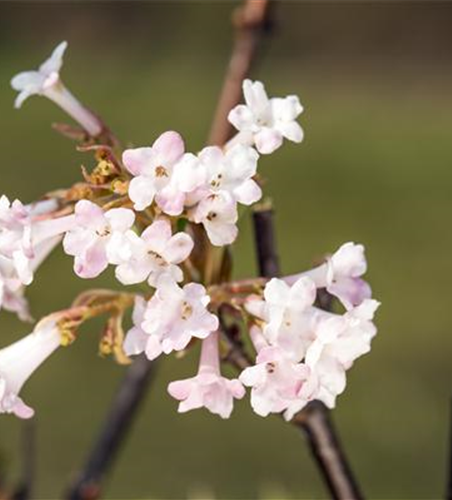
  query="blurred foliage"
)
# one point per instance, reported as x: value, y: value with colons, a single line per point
x: 375, y: 167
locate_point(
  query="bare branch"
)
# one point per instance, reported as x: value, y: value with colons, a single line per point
x: 124, y: 408
x: 251, y: 21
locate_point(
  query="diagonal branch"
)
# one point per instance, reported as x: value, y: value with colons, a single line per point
x: 315, y: 420
x: 251, y: 21
x: 123, y: 410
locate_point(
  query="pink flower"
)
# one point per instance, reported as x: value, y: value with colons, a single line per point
x: 26, y: 238
x: 341, y: 275
x: 19, y: 360
x: 97, y: 238
x: 172, y: 317
x: 137, y: 340
x: 154, y: 253
x: 46, y: 81
x: 277, y: 383
x: 208, y: 388
x: 152, y: 167
x: 339, y: 341
x: 288, y: 313
x: 187, y: 182
x: 265, y: 122
x: 218, y: 214
x: 232, y: 171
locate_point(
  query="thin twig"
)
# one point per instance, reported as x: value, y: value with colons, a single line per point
x: 314, y: 420
x: 250, y: 21
x: 123, y: 410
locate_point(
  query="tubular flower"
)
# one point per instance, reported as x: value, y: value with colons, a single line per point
x: 154, y: 253
x: 287, y: 312
x: 152, y: 167
x: 26, y: 239
x: 208, y: 388
x: 232, y: 171
x: 218, y: 214
x: 277, y: 383
x: 174, y: 316
x: 46, y: 81
x: 185, y: 187
x: 266, y: 122
x: 296, y: 332
x: 341, y: 275
x: 97, y: 238
x: 19, y: 360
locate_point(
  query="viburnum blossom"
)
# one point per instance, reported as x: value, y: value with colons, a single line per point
x: 185, y: 187
x: 18, y: 362
x: 341, y: 275
x: 217, y: 212
x: 266, y: 122
x: 156, y: 214
x: 154, y: 253
x: 46, y: 81
x: 287, y: 312
x: 26, y: 239
x: 208, y: 389
x: 232, y: 171
x: 152, y: 167
x: 97, y: 238
x: 324, y: 343
x: 173, y: 316
x: 278, y: 384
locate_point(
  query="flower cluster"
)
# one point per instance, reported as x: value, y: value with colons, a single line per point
x: 156, y: 214
x: 303, y: 351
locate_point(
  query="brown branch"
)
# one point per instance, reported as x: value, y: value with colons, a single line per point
x: 123, y: 410
x: 250, y: 21
x: 314, y: 420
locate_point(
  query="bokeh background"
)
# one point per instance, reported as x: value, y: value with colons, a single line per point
x: 375, y: 167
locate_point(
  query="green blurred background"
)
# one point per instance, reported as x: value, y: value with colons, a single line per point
x: 375, y: 167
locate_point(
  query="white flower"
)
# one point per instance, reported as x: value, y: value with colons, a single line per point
x: 341, y: 275
x: 288, y: 315
x: 19, y: 360
x: 152, y: 168
x: 217, y: 212
x: 339, y: 341
x: 277, y: 383
x: 172, y: 317
x: 154, y: 253
x: 185, y: 187
x: 27, y: 236
x: 46, y: 81
x: 232, y: 171
x: 208, y: 389
x: 38, y: 82
x: 265, y: 122
x: 98, y: 238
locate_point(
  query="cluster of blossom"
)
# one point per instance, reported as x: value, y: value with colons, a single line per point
x: 302, y: 352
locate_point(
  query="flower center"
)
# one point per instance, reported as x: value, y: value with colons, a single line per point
x: 211, y: 216
x: 160, y: 171
x: 187, y: 310
x: 105, y: 231
x: 270, y: 367
x: 157, y: 257
x: 216, y: 181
